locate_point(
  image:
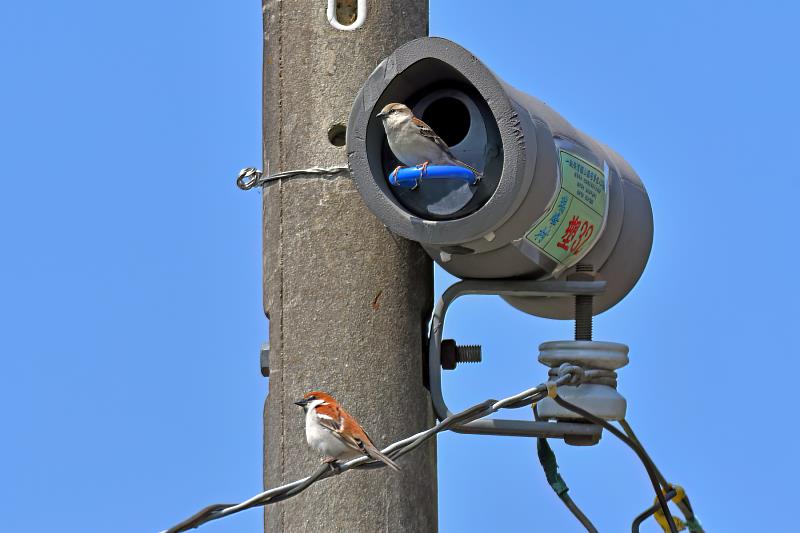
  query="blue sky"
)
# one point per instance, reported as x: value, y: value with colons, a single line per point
x: 131, y: 266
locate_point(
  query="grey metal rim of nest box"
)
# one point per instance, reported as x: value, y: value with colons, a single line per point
x: 487, y: 231
x: 434, y: 58
x: 573, y: 432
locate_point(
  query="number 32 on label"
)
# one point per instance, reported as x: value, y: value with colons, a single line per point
x: 577, y: 233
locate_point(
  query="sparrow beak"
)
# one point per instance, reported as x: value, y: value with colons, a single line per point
x: 301, y: 403
x: 381, y: 115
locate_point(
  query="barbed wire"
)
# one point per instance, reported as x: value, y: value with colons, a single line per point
x: 568, y: 375
x: 252, y: 177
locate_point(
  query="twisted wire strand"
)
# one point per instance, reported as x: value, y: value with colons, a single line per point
x: 395, y: 450
x: 252, y: 177
x: 404, y: 446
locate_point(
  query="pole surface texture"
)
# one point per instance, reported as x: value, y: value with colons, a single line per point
x: 347, y: 300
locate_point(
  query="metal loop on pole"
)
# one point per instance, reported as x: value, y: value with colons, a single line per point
x: 247, y: 178
x: 361, y: 15
x: 251, y: 177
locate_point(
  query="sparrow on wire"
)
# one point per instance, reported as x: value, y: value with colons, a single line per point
x: 333, y: 432
x: 413, y: 142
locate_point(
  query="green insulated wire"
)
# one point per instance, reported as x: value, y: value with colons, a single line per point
x: 548, y: 461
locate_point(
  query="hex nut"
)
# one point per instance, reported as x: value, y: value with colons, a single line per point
x: 449, y: 359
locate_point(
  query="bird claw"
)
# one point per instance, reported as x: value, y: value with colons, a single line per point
x: 423, y: 170
x: 394, y: 173
x: 334, y: 464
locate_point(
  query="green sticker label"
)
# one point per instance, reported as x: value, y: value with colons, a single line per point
x: 573, y: 223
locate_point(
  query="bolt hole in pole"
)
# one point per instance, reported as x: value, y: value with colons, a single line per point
x: 347, y: 15
x: 337, y: 134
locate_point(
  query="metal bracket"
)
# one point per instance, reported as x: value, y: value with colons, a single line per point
x: 496, y: 426
x: 264, y: 356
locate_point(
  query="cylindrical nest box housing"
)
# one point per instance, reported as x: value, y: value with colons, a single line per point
x: 550, y: 196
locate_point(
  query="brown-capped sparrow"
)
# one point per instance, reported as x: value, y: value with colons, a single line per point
x: 413, y: 142
x: 331, y: 431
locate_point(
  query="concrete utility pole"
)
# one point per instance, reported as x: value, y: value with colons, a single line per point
x: 347, y: 300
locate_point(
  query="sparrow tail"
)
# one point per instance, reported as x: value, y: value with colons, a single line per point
x: 376, y: 454
x: 460, y: 163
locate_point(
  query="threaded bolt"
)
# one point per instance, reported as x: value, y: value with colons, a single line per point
x: 468, y: 353
x: 583, y: 317
x: 583, y: 308
x: 452, y: 354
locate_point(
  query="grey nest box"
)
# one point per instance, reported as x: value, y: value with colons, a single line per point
x: 550, y: 196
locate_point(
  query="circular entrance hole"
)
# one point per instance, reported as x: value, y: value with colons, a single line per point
x: 449, y: 118
x: 337, y: 134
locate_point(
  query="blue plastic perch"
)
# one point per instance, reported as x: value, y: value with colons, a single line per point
x: 410, y: 177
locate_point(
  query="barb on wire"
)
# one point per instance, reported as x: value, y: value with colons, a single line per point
x: 398, y: 449
x: 252, y: 177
